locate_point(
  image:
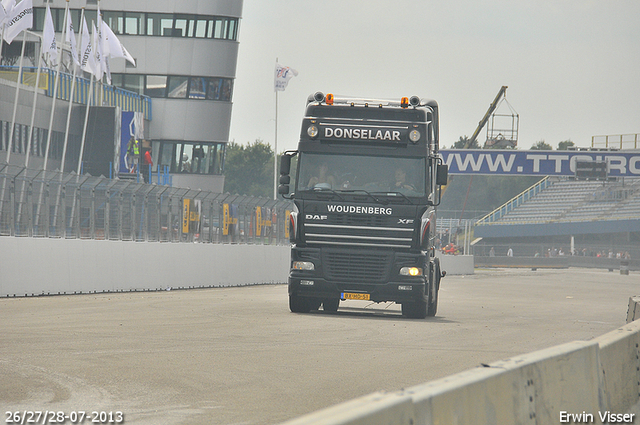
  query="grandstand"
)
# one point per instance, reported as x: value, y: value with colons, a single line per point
x: 565, y: 207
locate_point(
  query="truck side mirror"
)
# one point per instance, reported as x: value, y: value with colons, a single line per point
x: 283, y: 189
x: 284, y: 179
x: 285, y: 164
x: 442, y: 174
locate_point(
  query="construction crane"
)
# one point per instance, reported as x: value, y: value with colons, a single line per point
x: 506, y: 137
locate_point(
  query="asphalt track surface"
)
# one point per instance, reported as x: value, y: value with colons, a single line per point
x: 238, y: 356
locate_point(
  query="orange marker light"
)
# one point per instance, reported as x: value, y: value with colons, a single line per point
x: 404, y: 102
x: 329, y: 99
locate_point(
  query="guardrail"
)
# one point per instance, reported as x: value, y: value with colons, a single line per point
x: 37, y: 203
x: 559, y: 262
x: 616, y: 141
x: 593, y: 381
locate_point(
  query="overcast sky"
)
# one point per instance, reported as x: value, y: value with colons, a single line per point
x: 572, y: 66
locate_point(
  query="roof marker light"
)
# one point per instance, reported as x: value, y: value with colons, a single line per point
x: 329, y: 99
x: 404, y: 102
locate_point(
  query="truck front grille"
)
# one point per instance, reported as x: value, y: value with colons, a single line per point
x: 357, y: 267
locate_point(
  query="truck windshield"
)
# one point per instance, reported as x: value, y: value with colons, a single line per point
x: 352, y: 173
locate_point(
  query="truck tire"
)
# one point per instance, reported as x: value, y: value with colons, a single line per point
x: 299, y: 304
x: 415, y: 310
x: 434, y: 286
x: 331, y: 304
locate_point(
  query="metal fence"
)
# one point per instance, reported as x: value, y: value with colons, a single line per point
x: 37, y: 203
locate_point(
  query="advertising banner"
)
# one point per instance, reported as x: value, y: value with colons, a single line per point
x: 538, y: 163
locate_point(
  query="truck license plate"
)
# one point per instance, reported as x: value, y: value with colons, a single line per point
x: 353, y: 296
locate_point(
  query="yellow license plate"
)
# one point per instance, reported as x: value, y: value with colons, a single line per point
x: 353, y: 296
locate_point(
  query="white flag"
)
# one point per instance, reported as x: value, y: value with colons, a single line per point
x: 282, y: 76
x: 6, y: 6
x: 3, y: 16
x: 71, y: 39
x: 113, y: 47
x: 20, y: 18
x: 97, y: 45
x: 49, y: 38
x: 88, y: 58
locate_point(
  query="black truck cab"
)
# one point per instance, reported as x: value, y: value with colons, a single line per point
x: 365, y: 193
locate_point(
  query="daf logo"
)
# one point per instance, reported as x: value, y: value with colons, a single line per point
x: 405, y: 221
x: 315, y: 217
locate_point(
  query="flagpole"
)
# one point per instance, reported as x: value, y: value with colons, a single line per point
x: 2, y: 36
x: 55, y: 94
x: 73, y: 86
x: 30, y: 137
x: 90, y: 95
x: 15, y: 101
x: 35, y: 102
x: 66, y: 131
x: 275, y: 150
x: 13, y: 118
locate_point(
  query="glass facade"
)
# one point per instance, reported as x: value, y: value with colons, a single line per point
x: 176, y: 86
x: 20, y: 142
x: 188, y: 157
x: 148, y: 24
x: 175, y: 156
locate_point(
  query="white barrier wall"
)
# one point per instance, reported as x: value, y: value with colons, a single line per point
x: 583, y: 378
x: 34, y: 266
x: 456, y: 264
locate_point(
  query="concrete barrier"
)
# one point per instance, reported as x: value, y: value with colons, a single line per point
x: 620, y: 366
x: 456, y: 264
x: 376, y: 408
x: 532, y: 388
x: 633, y: 312
x: 37, y: 266
x: 558, y: 262
x: 577, y: 382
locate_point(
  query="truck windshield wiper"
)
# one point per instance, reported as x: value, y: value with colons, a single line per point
x: 326, y: 190
x: 374, y: 197
x: 398, y: 194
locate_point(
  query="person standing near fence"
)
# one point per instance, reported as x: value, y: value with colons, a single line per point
x: 148, y: 163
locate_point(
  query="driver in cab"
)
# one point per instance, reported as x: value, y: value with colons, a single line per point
x: 324, y: 179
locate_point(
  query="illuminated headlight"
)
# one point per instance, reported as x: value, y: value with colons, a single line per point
x: 405, y: 287
x: 312, y: 131
x: 411, y: 271
x: 303, y: 265
x: 307, y: 282
x: 414, y: 136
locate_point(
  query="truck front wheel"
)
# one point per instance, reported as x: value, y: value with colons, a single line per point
x: 299, y: 304
x: 415, y: 310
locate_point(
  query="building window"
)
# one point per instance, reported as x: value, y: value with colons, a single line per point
x: 197, y: 88
x: 115, y: 20
x: 134, y: 23
x: 156, y: 86
x: 190, y: 157
x: 178, y: 87
x: 150, y: 24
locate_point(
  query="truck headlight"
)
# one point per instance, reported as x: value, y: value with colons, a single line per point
x: 414, y: 136
x: 411, y: 271
x: 312, y: 131
x: 303, y: 265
